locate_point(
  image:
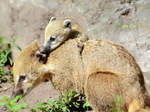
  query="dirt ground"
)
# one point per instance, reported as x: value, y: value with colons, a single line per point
x: 41, y: 93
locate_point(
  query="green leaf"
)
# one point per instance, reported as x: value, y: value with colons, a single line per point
x: 11, y: 73
x: 10, y: 60
x: 15, y: 39
x: 33, y: 110
x: 5, y: 51
x: 17, y: 98
x: 70, y: 92
x: 76, y: 104
x: 22, y: 106
x: 19, y: 48
x: 76, y: 95
x: 118, y: 99
x: 114, y: 110
x: 11, y: 104
x: 2, y: 39
x: 5, y: 99
x: 64, y: 109
x: 85, y: 105
x: 2, y: 104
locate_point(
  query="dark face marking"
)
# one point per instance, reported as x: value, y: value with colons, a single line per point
x: 16, y: 92
x: 18, y: 89
x: 22, y: 78
x: 52, y: 38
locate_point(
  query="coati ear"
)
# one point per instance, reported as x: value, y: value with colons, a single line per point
x: 52, y: 19
x: 67, y: 23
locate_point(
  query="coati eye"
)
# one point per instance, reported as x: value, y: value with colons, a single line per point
x: 52, y: 38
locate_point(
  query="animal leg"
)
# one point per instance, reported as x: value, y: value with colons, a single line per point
x: 135, y: 106
x: 101, y: 90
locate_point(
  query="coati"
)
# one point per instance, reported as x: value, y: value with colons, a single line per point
x: 102, y: 71
x: 53, y: 37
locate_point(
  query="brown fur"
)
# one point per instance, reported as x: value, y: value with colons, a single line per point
x: 56, y: 33
x: 102, y: 71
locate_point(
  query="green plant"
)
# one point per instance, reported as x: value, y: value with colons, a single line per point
x: 65, y: 103
x: 118, y: 104
x: 5, y: 56
x: 86, y: 106
x: 11, y: 105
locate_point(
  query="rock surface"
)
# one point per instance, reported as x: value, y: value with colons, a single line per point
x: 122, y: 21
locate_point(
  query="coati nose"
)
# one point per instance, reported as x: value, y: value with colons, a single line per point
x: 16, y: 92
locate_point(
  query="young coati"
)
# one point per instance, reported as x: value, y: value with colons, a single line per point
x: 102, y: 71
x: 53, y: 37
